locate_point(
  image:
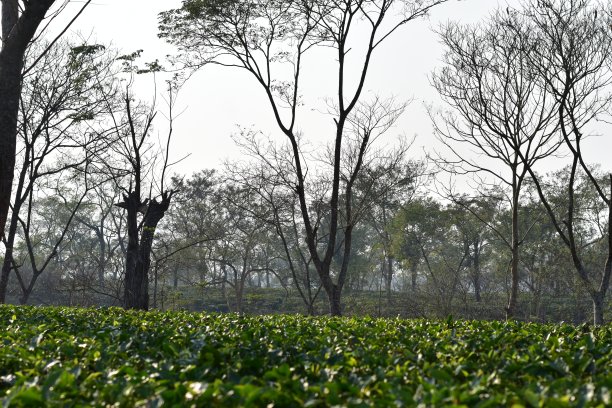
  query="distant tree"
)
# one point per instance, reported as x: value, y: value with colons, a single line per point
x: 546, y: 265
x: 393, y: 185
x: 498, y: 107
x: 432, y: 236
x: 268, y: 37
x: 45, y: 229
x: 243, y: 249
x: 193, y: 224
x: 102, y: 225
x: 475, y: 216
x: 270, y: 187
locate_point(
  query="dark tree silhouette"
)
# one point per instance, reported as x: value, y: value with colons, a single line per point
x: 133, y: 146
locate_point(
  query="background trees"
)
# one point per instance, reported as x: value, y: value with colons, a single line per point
x: 356, y: 217
x: 266, y: 38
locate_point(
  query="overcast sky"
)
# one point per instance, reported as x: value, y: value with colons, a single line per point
x: 218, y: 99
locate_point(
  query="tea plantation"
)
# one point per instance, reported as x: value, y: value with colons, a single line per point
x: 101, y: 357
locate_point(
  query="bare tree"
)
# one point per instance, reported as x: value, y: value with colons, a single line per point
x: 573, y: 59
x: 499, y: 110
x: 267, y: 37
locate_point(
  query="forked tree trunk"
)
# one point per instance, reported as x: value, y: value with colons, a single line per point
x: 133, y: 283
x: 138, y: 257
x: 25, y: 296
x: 310, y: 309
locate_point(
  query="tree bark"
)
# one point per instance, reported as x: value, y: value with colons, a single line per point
x: 335, y: 308
x: 10, y: 89
x: 25, y: 295
x: 8, y: 260
x: 598, y: 309
x: 131, y: 296
x: 4, y: 276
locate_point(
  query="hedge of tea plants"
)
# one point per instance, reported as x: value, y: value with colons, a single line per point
x: 110, y: 357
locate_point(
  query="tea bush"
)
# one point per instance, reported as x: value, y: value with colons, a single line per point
x: 102, y: 357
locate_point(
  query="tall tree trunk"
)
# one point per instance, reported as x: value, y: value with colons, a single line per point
x: 598, y: 309
x: 514, y: 265
x: 335, y: 307
x: 132, y: 281
x: 476, y: 266
x: 413, y: 276
x: 4, y: 276
x: 389, y: 278
x: 10, y: 90
x: 8, y: 259
x: 138, y: 257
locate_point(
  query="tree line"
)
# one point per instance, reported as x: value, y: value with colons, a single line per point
x: 95, y: 214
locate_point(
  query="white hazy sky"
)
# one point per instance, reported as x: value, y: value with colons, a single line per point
x: 217, y: 99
